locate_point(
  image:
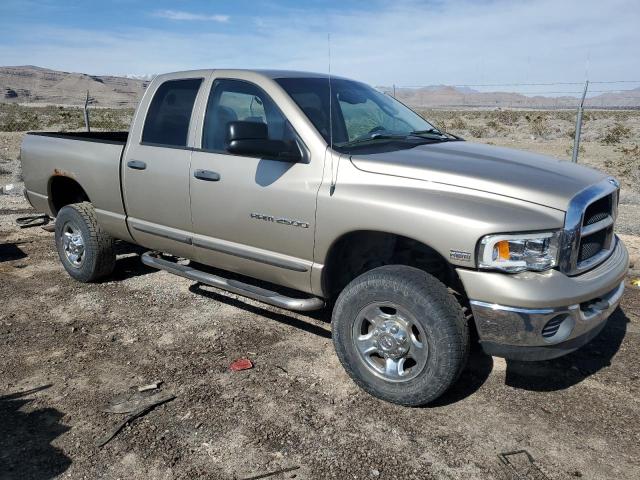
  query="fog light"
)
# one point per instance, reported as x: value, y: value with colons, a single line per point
x: 558, y: 328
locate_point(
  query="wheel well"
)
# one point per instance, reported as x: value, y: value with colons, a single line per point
x: 64, y: 191
x: 357, y: 252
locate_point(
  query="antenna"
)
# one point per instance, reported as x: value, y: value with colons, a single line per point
x: 334, y: 179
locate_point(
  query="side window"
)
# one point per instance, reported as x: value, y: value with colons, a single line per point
x: 236, y: 100
x: 169, y: 113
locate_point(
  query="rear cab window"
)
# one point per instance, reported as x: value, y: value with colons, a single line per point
x: 169, y: 114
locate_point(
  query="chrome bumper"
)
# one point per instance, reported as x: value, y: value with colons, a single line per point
x: 537, y: 334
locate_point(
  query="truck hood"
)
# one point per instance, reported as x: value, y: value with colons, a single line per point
x: 503, y: 171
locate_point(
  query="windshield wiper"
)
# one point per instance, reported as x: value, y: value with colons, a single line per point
x: 435, y: 131
x: 375, y: 136
x: 428, y: 130
x: 434, y: 135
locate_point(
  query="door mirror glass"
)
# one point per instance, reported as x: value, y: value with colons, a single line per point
x: 251, y: 138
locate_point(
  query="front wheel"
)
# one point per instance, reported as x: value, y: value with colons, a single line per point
x: 400, y: 334
x: 85, y: 250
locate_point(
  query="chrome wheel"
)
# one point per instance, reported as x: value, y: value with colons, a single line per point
x: 73, y: 244
x: 390, y: 342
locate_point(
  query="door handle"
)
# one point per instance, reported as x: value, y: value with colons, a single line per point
x: 136, y: 164
x: 207, y: 175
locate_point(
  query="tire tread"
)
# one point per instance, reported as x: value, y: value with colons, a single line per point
x: 99, y: 241
x: 430, y: 294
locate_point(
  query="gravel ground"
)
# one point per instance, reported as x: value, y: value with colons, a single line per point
x: 68, y: 348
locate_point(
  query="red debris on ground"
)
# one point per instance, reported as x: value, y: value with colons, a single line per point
x: 241, y: 364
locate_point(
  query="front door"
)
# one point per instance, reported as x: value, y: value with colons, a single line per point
x: 251, y: 214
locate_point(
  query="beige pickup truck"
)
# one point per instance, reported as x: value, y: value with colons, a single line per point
x: 319, y: 191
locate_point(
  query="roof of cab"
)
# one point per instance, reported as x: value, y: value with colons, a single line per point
x: 273, y: 74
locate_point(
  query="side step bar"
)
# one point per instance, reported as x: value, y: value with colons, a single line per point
x: 154, y: 260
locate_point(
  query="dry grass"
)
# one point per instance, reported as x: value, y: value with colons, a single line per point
x: 615, y: 134
x: 17, y: 118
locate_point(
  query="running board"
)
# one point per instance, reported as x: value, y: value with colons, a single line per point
x: 152, y: 259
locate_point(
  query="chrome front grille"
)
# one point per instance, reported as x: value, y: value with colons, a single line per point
x: 593, y: 244
x: 598, y: 210
x: 588, y: 237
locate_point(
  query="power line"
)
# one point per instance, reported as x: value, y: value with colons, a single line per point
x: 546, y: 92
x: 521, y: 84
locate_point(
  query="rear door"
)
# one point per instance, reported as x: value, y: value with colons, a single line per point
x: 155, y: 169
x: 254, y: 215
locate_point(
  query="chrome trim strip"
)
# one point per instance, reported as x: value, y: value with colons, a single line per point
x: 162, y: 233
x: 255, y: 256
x: 596, y: 227
x: 528, y: 311
x: 234, y: 286
x: 38, y: 195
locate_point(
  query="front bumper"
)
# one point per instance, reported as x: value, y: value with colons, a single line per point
x: 556, y: 314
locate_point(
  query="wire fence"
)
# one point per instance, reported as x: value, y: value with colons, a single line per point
x: 534, y: 116
x: 20, y: 118
x: 609, y: 94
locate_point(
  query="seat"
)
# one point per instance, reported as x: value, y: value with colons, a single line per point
x: 215, y: 135
x: 319, y: 120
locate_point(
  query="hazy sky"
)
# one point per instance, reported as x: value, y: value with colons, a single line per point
x: 403, y: 42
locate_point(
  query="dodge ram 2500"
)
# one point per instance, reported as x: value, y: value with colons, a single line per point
x: 327, y: 188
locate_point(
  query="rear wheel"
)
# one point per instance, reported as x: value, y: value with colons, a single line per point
x: 400, y: 335
x: 85, y: 250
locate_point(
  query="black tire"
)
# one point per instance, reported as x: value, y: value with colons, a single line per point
x: 98, y: 258
x: 431, y: 307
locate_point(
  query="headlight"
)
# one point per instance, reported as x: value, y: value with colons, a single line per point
x: 519, y: 252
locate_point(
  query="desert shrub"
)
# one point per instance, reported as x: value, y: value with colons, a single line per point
x: 538, y: 125
x: 569, y: 151
x: 477, y: 132
x: 439, y: 122
x: 458, y: 124
x: 629, y: 168
x: 492, y: 124
x: 615, y: 134
x: 110, y: 119
x: 565, y: 115
x: 67, y: 119
x: 13, y: 118
x: 622, y: 116
x: 508, y: 117
x: 18, y: 118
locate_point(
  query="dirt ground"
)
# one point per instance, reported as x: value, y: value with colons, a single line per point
x: 69, y: 348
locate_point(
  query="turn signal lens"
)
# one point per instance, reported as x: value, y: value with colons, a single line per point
x: 502, y: 248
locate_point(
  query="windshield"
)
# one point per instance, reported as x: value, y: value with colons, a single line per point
x: 360, y: 114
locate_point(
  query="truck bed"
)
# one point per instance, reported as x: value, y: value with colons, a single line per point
x: 84, y: 164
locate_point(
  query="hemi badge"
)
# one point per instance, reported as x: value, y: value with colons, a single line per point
x: 460, y: 255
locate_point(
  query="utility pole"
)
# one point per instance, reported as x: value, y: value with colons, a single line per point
x: 86, y: 113
x: 576, y: 139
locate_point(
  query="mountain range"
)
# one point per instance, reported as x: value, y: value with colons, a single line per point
x: 37, y: 85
